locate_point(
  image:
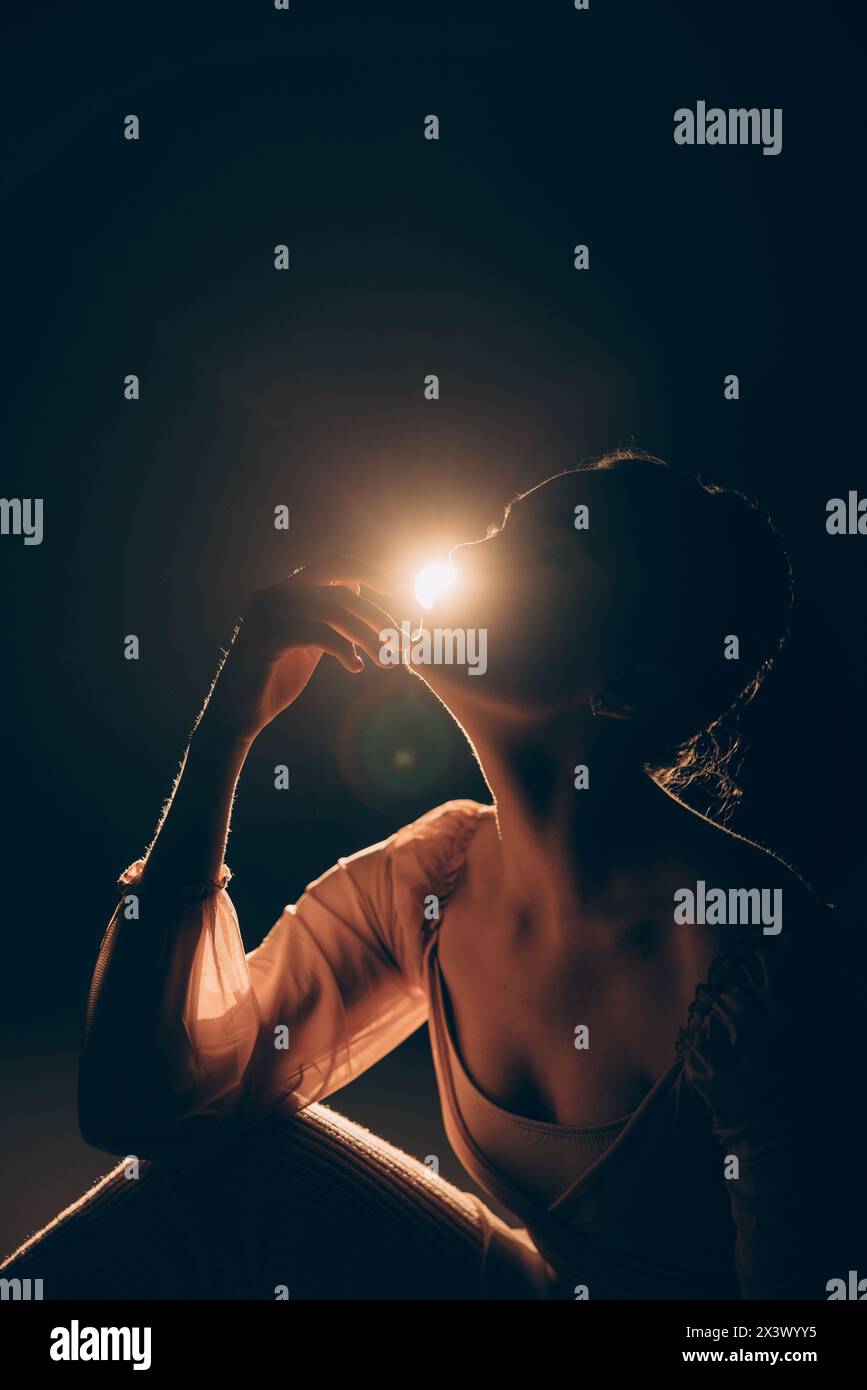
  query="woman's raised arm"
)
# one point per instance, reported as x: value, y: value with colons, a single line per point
x: 173, y: 1020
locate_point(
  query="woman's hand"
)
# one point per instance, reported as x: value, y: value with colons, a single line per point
x: 285, y: 631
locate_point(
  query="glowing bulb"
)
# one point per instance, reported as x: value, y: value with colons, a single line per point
x: 432, y: 581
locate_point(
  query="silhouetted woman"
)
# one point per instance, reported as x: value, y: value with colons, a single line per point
x: 642, y: 1024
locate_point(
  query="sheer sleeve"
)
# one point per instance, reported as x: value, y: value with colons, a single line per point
x: 334, y: 986
x: 771, y: 1047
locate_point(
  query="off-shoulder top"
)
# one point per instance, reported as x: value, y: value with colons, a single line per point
x: 739, y: 1174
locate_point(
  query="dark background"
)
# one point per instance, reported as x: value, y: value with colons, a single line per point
x: 306, y: 388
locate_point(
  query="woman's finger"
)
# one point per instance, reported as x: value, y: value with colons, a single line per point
x: 367, y: 612
x: 327, y: 640
x: 328, y: 610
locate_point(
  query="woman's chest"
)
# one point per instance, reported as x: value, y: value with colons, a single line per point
x: 563, y: 1034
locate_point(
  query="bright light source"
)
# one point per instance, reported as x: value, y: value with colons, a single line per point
x: 432, y: 581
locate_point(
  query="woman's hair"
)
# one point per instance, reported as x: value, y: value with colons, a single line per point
x: 731, y: 575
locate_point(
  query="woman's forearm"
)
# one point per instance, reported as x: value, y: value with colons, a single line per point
x: 190, y: 842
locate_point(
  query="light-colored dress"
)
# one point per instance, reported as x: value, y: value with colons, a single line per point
x: 640, y: 1208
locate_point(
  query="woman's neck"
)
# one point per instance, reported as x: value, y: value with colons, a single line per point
x: 563, y: 844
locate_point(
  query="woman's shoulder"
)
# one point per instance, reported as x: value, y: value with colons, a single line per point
x: 432, y: 841
x: 391, y: 893
x: 428, y: 860
x: 430, y: 851
x: 400, y: 884
x: 444, y: 825
x: 754, y: 885
x: 791, y: 941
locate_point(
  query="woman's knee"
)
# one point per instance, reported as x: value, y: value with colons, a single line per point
x: 300, y: 1206
x: 118, y: 1240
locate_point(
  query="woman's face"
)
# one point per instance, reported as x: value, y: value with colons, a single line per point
x: 551, y: 621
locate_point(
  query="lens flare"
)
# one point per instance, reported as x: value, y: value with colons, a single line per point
x: 431, y: 582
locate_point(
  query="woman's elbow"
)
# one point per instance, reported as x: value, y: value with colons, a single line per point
x: 107, y: 1120
x: 105, y: 1126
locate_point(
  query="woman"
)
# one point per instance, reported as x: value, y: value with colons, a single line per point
x: 658, y: 1092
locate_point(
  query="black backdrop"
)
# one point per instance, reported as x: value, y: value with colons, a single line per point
x: 408, y: 257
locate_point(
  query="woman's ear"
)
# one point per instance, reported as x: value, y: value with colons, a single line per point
x: 642, y: 692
